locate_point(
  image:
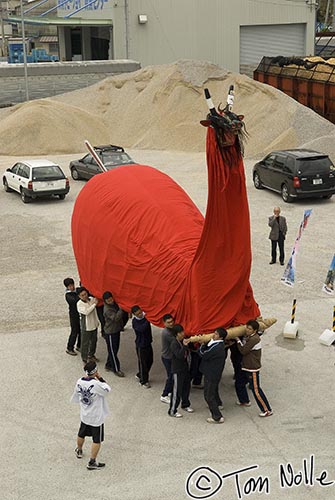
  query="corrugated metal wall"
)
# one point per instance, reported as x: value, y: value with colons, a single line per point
x: 276, y: 39
x: 271, y: 40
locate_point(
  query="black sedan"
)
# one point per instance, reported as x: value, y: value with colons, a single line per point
x: 110, y: 155
x: 296, y: 173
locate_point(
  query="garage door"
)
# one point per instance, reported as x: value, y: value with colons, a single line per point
x: 270, y: 40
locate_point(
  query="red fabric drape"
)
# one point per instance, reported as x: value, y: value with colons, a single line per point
x: 217, y: 290
x: 136, y: 233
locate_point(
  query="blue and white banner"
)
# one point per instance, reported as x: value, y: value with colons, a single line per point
x: 289, y: 273
x: 328, y: 285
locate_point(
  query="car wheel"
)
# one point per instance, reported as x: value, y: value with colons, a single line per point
x: 61, y: 196
x: 285, y: 194
x: 74, y: 174
x: 6, y: 187
x: 257, y: 181
x: 327, y: 196
x: 24, y: 197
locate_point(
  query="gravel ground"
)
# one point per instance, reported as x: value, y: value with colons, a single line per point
x: 148, y: 455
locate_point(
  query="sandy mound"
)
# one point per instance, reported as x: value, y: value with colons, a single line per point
x: 45, y: 127
x: 326, y: 144
x: 158, y: 107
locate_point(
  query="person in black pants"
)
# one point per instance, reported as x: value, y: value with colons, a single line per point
x: 166, y: 356
x: 180, y: 368
x: 143, y: 341
x: 113, y: 326
x: 240, y: 387
x: 196, y: 375
x: 212, y: 364
x: 277, y: 235
x: 72, y: 298
x: 251, y: 350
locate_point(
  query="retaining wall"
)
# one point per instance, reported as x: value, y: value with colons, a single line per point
x: 49, y: 79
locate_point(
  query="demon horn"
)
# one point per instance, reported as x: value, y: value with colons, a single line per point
x: 210, y: 104
x: 230, y: 99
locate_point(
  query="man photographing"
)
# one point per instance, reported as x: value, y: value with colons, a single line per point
x: 90, y: 392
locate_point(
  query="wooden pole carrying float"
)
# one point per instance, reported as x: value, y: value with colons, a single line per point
x: 235, y: 331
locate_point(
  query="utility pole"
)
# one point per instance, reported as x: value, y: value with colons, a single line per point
x: 24, y: 52
x: 2, y: 53
x: 327, y: 13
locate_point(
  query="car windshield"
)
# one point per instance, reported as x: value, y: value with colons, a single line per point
x: 313, y: 165
x: 51, y: 172
x: 111, y: 160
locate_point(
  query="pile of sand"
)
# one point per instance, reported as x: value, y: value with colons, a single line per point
x: 48, y: 127
x: 158, y: 107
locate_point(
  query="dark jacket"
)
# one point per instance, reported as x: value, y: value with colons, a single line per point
x: 213, y: 360
x: 113, y: 315
x: 166, y: 343
x: 252, y: 353
x: 142, y: 329
x: 72, y: 299
x: 180, y: 357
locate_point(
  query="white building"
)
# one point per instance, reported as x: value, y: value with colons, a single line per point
x: 234, y: 34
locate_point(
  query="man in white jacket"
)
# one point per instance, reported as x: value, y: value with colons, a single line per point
x: 90, y: 392
x: 89, y: 323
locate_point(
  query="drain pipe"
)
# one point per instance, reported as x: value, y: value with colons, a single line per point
x: 126, y: 21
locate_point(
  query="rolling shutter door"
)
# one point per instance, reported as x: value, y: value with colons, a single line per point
x: 270, y: 40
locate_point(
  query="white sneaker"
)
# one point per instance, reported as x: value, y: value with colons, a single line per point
x: 188, y: 409
x: 243, y: 404
x: 211, y: 420
x: 177, y: 415
x: 146, y: 386
x: 165, y: 399
x: 266, y: 413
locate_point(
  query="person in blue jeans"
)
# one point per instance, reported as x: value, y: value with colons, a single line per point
x: 239, y: 375
x: 251, y: 350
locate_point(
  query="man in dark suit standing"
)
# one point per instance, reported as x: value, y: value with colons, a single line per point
x: 212, y: 364
x: 277, y: 235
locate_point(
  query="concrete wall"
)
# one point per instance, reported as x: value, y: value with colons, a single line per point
x: 49, y: 79
x: 191, y: 29
x: 199, y: 29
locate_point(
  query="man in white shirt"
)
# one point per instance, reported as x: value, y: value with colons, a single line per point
x: 90, y: 392
x: 89, y: 323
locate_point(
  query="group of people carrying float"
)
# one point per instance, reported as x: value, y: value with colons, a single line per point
x: 159, y: 251
x: 244, y: 344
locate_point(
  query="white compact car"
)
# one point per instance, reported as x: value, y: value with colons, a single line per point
x: 36, y: 179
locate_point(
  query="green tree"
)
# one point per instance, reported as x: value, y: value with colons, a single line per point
x: 322, y: 9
